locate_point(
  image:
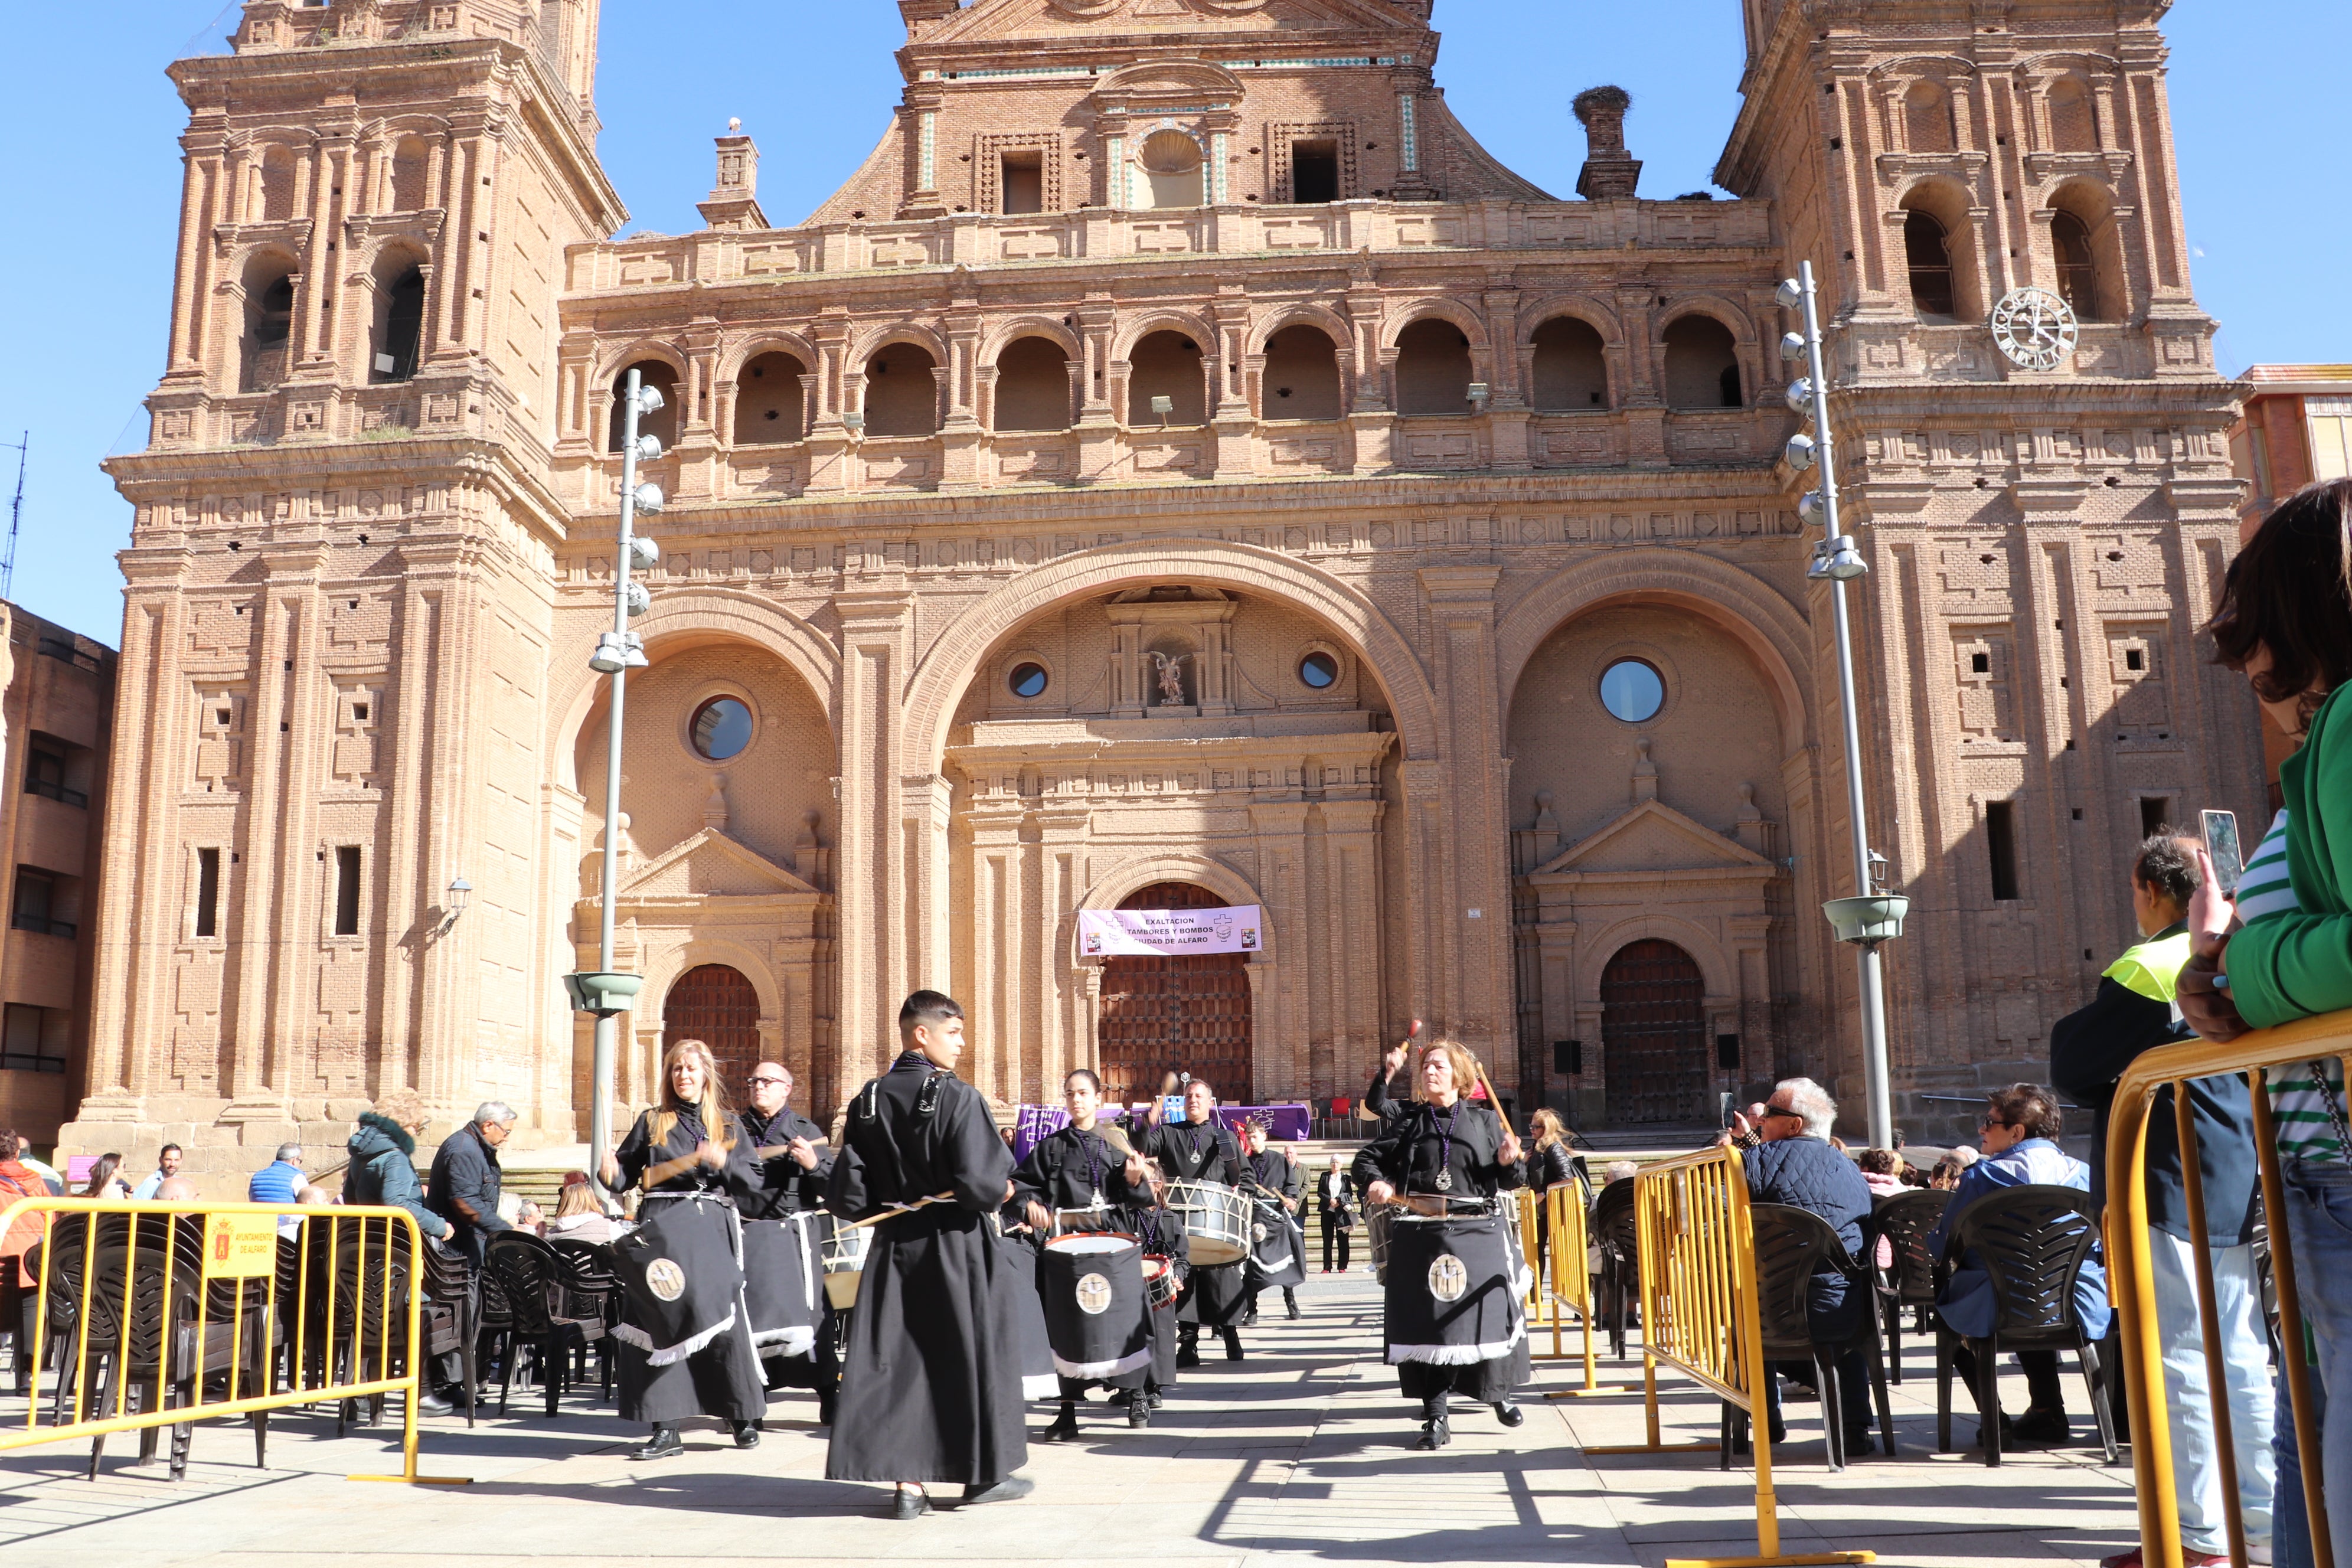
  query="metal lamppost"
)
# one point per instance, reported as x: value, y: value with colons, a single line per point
x: 1873, y: 915
x: 604, y: 992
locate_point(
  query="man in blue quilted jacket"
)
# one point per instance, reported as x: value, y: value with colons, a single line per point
x: 1790, y: 1160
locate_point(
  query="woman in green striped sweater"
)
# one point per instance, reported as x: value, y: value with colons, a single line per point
x: 2286, y: 622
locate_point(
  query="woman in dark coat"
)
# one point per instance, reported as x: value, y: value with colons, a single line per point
x: 681, y: 1154
x: 1430, y: 1158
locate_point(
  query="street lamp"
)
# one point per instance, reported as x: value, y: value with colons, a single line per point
x: 604, y: 992
x: 1872, y: 916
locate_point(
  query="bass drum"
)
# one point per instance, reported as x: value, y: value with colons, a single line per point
x: 1216, y: 1221
x: 845, y: 1246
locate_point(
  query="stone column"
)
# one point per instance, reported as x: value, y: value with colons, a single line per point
x: 877, y: 970
x: 1461, y: 611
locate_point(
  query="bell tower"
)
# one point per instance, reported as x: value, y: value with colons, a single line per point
x: 2045, y: 518
x: 339, y: 574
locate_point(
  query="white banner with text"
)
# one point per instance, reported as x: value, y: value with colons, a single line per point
x: 1169, y: 933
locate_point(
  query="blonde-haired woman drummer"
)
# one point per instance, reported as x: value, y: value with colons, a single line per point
x: 1440, y: 1154
x: 680, y: 1151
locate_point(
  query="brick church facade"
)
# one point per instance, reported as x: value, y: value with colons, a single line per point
x: 1180, y: 466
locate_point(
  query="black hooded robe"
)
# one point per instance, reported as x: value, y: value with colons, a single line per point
x: 1205, y: 1152
x: 722, y: 1378
x: 930, y: 1384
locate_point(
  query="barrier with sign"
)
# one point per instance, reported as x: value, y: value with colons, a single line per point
x: 1564, y: 1284
x: 2131, y: 1280
x: 143, y: 1316
x: 1701, y: 1315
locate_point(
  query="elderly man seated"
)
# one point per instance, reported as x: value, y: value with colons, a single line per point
x: 1790, y: 1160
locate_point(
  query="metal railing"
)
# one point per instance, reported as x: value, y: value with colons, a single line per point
x: 209, y: 1312
x: 1701, y: 1315
x: 2132, y: 1280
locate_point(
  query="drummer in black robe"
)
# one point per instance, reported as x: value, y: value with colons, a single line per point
x: 1277, y: 1176
x: 1432, y: 1157
x: 930, y: 1382
x: 1202, y: 1148
x: 1078, y: 1167
x: 688, y: 1151
x: 786, y: 1174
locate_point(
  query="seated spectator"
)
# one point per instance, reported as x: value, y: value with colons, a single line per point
x: 106, y: 1179
x: 578, y: 1216
x: 2020, y: 1130
x: 382, y: 1169
x: 1618, y: 1171
x: 1882, y: 1172
x: 2285, y: 624
x: 1789, y: 1161
x: 176, y: 1190
x: 48, y: 1173
x: 167, y: 1165
x: 280, y: 1182
x: 530, y: 1216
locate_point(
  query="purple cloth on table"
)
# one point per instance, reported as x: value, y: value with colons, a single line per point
x: 1033, y: 1124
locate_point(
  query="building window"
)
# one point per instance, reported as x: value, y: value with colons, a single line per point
x: 663, y: 422
x: 1702, y: 364
x: 347, y: 891
x: 399, y: 329
x: 2078, y: 269
x: 1028, y: 680
x: 1433, y: 368
x: 1302, y: 375
x: 208, y: 892
x: 721, y: 728
x: 1571, y: 369
x: 2000, y: 846
x: 1033, y: 386
x: 2155, y: 815
x: 1024, y: 183
x: 1319, y: 670
x: 1315, y: 172
x: 45, y: 775
x: 40, y: 903
x: 31, y: 1039
x: 769, y: 401
x: 268, y: 324
x: 1633, y: 691
x: 1927, y: 249
x: 902, y: 391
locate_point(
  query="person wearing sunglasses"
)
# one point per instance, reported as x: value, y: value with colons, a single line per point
x: 786, y: 1176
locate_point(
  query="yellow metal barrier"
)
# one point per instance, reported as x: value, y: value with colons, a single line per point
x: 204, y: 1307
x: 1564, y: 1282
x: 2131, y: 1280
x: 1700, y: 1315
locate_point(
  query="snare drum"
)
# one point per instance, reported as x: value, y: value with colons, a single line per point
x: 1216, y: 1221
x: 845, y: 1246
x: 1160, y: 1283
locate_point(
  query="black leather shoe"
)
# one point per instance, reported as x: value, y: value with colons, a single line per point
x: 663, y: 1444
x: 1187, y: 1351
x: 1151, y: 1398
x: 2041, y: 1427
x: 910, y: 1505
x: 1139, y: 1409
x: 1508, y: 1414
x: 1233, y: 1344
x: 1292, y: 1302
x: 1064, y: 1429
x: 825, y: 1406
x: 1005, y: 1490
x: 1249, y: 1318
x: 1434, y: 1431
x: 747, y: 1434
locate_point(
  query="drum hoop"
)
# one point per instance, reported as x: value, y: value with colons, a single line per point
x: 1117, y: 1236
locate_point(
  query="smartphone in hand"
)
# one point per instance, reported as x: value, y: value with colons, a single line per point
x: 2221, y: 843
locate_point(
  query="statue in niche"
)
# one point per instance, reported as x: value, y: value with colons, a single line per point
x: 1171, y: 679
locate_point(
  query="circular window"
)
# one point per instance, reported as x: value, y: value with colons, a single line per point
x: 1319, y: 670
x: 722, y: 728
x: 1631, y: 691
x: 1028, y: 680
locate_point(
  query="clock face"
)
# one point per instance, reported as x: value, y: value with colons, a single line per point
x: 2035, y: 328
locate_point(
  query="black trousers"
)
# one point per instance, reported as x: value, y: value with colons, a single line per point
x: 2043, y: 1388
x: 1334, y: 1234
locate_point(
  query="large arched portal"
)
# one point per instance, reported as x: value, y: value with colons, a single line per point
x: 1161, y: 1015
x: 720, y: 1006
x: 1654, y: 1035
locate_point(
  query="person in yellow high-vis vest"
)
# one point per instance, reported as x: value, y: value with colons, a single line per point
x: 2136, y: 1010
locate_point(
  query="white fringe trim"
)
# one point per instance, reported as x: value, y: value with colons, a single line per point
x: 792, y: 1341
x: 632, y: 1335
x: 1043, y: 1385
x: 1456, y: 1355
x: 1125, y: 1364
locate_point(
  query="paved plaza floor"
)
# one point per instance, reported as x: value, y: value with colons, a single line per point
x: 1299, y: 1454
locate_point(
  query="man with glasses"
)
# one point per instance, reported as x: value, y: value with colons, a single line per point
x: 1790, y: 1160
x: 786, y: 1176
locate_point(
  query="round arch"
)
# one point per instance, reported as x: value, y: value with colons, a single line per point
x: 1302, y: 315
x: 1183, y: 323
x: 1128, y: 877
x: 881, y: 338
x: 1736, y: 602
x: 1722, y: 311
x: 731, y: 361
x: 1578, y: 306
x: 1435, y: 308
x: 949, y: 667
x: 1004, y: 334
x: 637, y: 352
x: 679, y: 621
x: 1717, y: 968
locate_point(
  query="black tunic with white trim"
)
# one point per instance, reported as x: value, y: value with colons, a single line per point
x: 722, y: 1377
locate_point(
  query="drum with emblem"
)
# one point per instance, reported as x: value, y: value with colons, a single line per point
x: 1096, y: 1315
x: 1452, y: 1291
x: 1277, y: 1249
x: 682, y: 1279
x: 1217, y: 1220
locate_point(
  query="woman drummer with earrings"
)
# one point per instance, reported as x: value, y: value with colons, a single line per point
x: 1455, y: 1322
x: 1086, y: 1167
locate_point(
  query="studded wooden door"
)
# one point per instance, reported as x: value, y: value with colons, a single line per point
x: 719, y: 1007
x: 1654, y: 1035
x: 1175, y: 1015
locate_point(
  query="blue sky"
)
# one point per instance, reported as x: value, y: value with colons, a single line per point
x: 93, y: 192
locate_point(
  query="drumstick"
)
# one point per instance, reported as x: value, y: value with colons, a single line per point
x: 1493, y: 1099
x: 895, y: 1210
